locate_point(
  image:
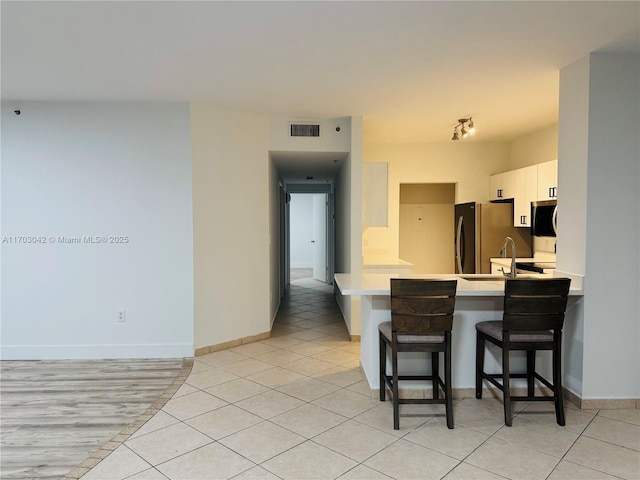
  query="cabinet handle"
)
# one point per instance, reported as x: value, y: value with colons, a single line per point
x: 550, y: 192
x: 555, y: 192
x: 523, y: 219
x: 499, y: 193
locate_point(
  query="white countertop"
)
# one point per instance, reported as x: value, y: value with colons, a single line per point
x: 482, y: 286
x: 384, y: 261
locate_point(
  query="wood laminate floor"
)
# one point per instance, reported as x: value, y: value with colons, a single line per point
x: 55, y: 413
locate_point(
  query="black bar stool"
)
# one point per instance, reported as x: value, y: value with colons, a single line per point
x: 532, y: 320
x: 421, y: 321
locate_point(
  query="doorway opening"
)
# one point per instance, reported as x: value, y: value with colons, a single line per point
x: 310, y: 237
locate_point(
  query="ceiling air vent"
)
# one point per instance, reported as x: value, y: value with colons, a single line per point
x: 305, y: 130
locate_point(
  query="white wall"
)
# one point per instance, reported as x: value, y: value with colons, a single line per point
x: 468, y: 165
x: 599, y: 169
x: 301, y: 233
x: 613, y: 226
x: 97, y: 169
x: 231, y: 212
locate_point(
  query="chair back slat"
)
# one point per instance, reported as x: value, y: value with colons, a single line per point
x: 532, y: 305
x: 416, y: 287
x: 531, y: 323
x: 421, y: 325
x: 541, y: 305
x: 540, y: 286
x: 422, y: 307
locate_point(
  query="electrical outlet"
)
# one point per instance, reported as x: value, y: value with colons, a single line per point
x: 122, y: 315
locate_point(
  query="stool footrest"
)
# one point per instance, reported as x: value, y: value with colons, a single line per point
x: 533, y: 399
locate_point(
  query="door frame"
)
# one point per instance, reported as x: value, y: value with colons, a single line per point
x: 326, y: 188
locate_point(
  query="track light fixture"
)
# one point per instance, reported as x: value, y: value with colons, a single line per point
x: 466, y: 128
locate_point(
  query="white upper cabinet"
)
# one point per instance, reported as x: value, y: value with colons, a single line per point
x: 547, y: 180
x: 375, y: 195
x: 502, y: 185
x: 526, y: 189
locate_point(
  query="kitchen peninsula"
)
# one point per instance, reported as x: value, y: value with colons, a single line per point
x: 478, y: 298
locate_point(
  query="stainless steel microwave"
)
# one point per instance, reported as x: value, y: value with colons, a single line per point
x: 544, y: 217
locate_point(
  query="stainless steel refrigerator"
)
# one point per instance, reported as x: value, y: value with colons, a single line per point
x: 480, y: 230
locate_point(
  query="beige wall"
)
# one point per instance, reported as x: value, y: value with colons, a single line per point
x: 537, y: 147
x: 236, y: 216
x: 275, y: 260
x: 230, y: 166
x: 467, y: 165
x: 426, y: 226
x: 330, y: 140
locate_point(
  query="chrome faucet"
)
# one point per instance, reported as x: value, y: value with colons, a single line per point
x: 503, y: 254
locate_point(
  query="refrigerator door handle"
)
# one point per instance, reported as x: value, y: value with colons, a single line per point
x: 459, y: 241
x: 554, y: 221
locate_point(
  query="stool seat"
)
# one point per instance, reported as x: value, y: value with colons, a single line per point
x: 493, y: 328
x: 385, y: 329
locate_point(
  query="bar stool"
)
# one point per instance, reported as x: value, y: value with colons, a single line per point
x: 421, y: 321
x: 532, y: 320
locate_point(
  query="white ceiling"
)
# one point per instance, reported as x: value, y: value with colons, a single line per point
x: 411, y: 68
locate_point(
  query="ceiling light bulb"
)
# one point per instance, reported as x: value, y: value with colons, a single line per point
x: 464, y: 132
x: 472, y: 129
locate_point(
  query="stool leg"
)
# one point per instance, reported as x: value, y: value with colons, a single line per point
x: 531, y: 371
x: 383, y: 367
x: 557, y: 380
x: 435, y: 373
x: 506, y: 386
x: 447, y: 385
x: 396, y: 403
x: 479, y: 364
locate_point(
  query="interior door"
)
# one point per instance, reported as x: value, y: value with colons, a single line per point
x: 320, y: 237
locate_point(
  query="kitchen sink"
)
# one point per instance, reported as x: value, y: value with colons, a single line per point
x: 474, y: 278
x: 495, y: 278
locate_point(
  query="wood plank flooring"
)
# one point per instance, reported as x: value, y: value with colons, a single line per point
x: 55, y: 413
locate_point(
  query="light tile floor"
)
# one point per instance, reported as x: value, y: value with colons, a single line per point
x: 296, y: 407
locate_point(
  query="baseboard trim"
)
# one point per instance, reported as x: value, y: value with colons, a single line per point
x: 355, y: 338
x: 575, y: 400
x: 459, y: 393
x: 231, y: 343
x: 600, y: 403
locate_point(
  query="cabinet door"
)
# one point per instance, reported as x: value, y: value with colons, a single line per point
x: 502, y: 185
x: 547, y: 180
x: 526, y: 186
